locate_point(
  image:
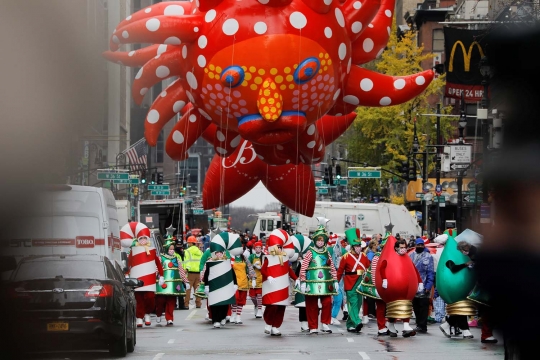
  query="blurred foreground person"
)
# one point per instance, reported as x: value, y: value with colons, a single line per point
x: 515, y: 180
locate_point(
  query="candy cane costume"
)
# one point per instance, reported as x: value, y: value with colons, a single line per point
x: 143, y: 263
x: 276, y: 271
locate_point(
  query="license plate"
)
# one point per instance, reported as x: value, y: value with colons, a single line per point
x: 58, y: 326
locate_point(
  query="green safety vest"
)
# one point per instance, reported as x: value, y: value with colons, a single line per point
x: 192, y: 259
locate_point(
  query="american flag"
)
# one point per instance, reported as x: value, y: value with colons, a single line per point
x: 137, y: 156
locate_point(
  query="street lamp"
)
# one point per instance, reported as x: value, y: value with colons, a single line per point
x: 486, y: 72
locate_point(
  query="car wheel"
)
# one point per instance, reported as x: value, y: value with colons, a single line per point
x: 131, y: 342
x: 118, y: 347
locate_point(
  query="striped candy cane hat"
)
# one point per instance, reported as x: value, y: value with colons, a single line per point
x: 277, y: 237
x: 132, y: 231
x: 301, y: 243
x: 226, y: 241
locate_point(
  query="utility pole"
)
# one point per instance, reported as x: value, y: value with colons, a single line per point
x: 438, y: 165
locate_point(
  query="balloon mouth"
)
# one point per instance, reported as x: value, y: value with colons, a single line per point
x: 259, y: 131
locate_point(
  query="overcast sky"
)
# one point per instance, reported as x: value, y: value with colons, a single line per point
x: 258, y: 197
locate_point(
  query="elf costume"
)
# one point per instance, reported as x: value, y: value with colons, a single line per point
x: 276, y: 271
x: 301, y: 244
x: 255, y: 285
x: 142, y: 263
x: 352, y: 267
x: 240, y: 268
x: 318, y: 281
x: 176, y: 282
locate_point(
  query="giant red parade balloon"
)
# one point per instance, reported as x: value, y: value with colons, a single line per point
x: 265, y: 71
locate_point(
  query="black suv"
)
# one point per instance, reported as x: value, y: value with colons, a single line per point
x: 72, y: 302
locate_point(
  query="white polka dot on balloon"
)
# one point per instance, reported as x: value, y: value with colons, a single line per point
x: 420, y: 80
x: 388, y: 29
x: 210, y: 16
x: 139, y: 74
x: 178, y: 105
x: 399, y: 84
x: 153, y: 116
x: 184, y: 51
x: 205, y: 114
x: 172, y: 40
x: 351, y: 99
x: 311, y: 129
x: 192, y: 118
x: 220, y: 136
x: 201, y: 60
x: 298, y: 20
x: 388, y: 13
x: 311, y: 144
x: 202, y: 42
x: 161, y: 49
x: 131, y: 53
x: 260, y: 27
x: 230, y: 27
x: 336, y: 94
x: 153, y: 25
x: 357, y: 5
x: 339, y: 17
x: 327, y: 2
x: 178, y: 137
x: 342, y: 51
x: 163, y: 94
x: 221, y: 150
x: 192, y: 80
x: 162, y: 71
x: 264, y: 2
x: 368, y: 45
x: 143, y: 91
x: 125, y: 34
x: 147, y: 10
x: 356, y: 27
x: 115, y: 39
x: 321, y: 146
x: 128, y: 18
x: 190, y: 97
x: 366, y: 84
x: 385, y: 101
x: 328, y: 32
x: 236, y: 141
x: 174, y: 10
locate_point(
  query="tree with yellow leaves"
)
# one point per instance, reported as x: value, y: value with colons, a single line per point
x: 383, y: 136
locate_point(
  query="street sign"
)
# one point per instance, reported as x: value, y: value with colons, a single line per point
x: 159, y: 187
x: 323, y: 190
x: 294, y: 219
x: 420, y: 196
x: 198, y: 211
x: 364, y: 173
x: 318, y: 183
x: 160, y: 192
x: 112, y: 176
x: 127, y: 181
x: 440, y: 199
x: 454, y: 166
x: 460, y: 153
x: 342, y: 182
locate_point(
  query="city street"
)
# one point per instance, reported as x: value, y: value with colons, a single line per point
x: 192, y: 337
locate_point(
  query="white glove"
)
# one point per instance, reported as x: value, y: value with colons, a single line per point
x: 297, y: 283
x: 336, y: 285
x: 385, y: 284
x: 420, y: 287
x: 207, y: 290
x: 303, y: 287
x: 253, y: 283
x: 270, y: 279
x: 161, y: 280
x: 235, y: 287
x: 188, y: 286
x: 258, y: 266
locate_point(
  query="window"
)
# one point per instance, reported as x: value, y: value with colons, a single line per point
x: 438, y: 40
x: 263, y: 225
x: 270, y: 225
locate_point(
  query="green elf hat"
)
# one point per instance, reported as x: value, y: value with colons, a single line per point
x: 321, y: 231
x: 168, y: 243
x: 353, y: 236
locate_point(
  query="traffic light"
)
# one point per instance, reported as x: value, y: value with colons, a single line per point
x: 338, y: 171
x: 135, y: 190
x: 326, y: 177
x: 330, y: 176
x: 143, y: 177
x: 160, y: 178
x: 153, y: 179
x: 184, y: 187
x: 405, y: 170
x: 412, y: 172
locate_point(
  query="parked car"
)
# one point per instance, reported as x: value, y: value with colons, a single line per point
x: 72, y: 302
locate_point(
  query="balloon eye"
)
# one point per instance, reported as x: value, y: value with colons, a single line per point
x: 306, y: 70
x: 232, y: 76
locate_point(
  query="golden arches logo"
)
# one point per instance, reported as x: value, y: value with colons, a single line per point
x: 466, y: 54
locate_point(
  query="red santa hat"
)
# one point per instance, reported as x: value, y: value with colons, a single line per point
x: 258, y: 243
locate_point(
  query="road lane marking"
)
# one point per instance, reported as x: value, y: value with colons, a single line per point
x: 363, y: 355
x: 158, y: 356
x: 191, y: 315
x: 350, y: 339
x: 170, y: 341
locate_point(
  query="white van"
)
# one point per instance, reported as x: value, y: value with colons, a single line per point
x: 66, y: 219
x: 123, y: 209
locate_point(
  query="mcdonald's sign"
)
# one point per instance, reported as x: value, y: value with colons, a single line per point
x: 463, y: 49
